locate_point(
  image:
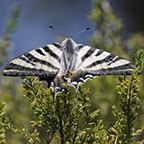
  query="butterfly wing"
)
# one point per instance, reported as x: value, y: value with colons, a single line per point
x: 43, y: 62
x: 53, y: 64
x: 92, y: 62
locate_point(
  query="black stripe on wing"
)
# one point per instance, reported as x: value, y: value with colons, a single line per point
x: 26, y: 60
x: 89, y: 53
x: 126, y: 69
x: 110, y: 58
x: 18, y: 70
x: 51, y: 53
x: 99, y: 52
x: 37, y: 60
x: 40, y: 52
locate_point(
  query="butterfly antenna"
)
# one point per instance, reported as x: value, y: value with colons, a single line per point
x: 57, y: 31
x: 82, y: 31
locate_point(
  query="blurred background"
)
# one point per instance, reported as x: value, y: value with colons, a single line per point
x: 115, y: 26
x: 67, y: 16
x: 33, y: 29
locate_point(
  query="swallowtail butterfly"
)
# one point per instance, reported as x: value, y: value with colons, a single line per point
x: 69, y: 62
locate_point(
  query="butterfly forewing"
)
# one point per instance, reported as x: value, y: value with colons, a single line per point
x: 43, y: 61
x: 93, y: 62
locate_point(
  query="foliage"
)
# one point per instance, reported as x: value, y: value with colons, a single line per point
x: 66, y: 116
x: 126, y: 115
x: 60, y: 115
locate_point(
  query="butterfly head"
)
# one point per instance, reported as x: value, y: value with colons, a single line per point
x: 69, y: 42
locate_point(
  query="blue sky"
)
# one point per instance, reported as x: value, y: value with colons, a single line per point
x: 32, y: 30
x: 68, y: 16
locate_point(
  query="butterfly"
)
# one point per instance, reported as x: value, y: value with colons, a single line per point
x: 67, y: 62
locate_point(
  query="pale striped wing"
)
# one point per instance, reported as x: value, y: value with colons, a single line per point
x: 67, y: 62
x: 43, y: 62
x: 92, y: 62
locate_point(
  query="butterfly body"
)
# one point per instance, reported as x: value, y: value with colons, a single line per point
x: 68, y: 62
